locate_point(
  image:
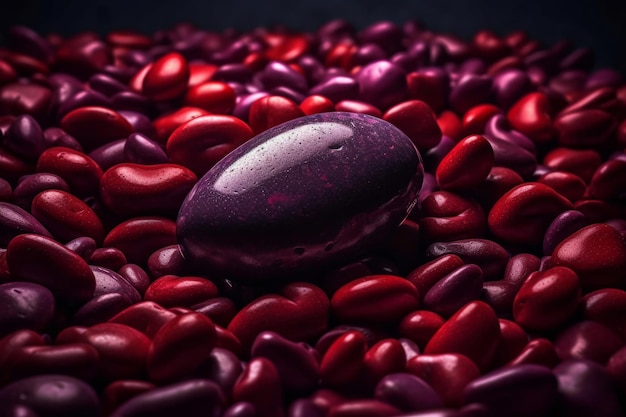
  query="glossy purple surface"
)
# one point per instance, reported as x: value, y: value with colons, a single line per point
x: 301, y: 196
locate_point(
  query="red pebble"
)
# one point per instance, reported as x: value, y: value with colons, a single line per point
x: 363, y: 408
x: 428, y: 274
x: 212, y: 96
x: 57, y: 268
x: 417, y: 120
x: 538, y: 351
x: 260, y: 385
x: 384, y: 358
x: 577, y: 161
x: 450, y: 125
x: 165, y: 125
x: 78, y: 170
x: 428, y: 88
x: 499, y: 181
x: 420, y: 325
x: 453, y: 172
x: 523, y: 214
x: 585, y: 128
x: 475, y: 119
x: 200, y: 72
x: 66, y: 216
x: 513, y: 340
x: 180, y: 346
x: 201, y: 142
x: 616, y: 367
x: 587, y: 340
x: 609, y: 181
x: 447, y: 217
x: 147, y: 317
x: 472, y: 331
x: 374, y: 299
x: 299, y: 312
x: 271, y: 111
x: 118, y: 392
x: 95, y: 126
x: 139, y: 237
x: 167, y: 77
x: 122, y: 350
x: 316, y: 104
x: 606, y: 306
x: 75, y: 359
x: 173, y: 291
x: 597, y: 253
x: 134, y: 189
x: 569, y: 185
x: 547, y: 299
x: 12, y: 343
x: 447, y: 373
x: 531, y: 116
x: 343, y: 361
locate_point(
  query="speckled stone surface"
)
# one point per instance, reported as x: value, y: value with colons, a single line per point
x: 306, y: 194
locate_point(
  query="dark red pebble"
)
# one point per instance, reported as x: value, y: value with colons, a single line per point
x: 60, y: 270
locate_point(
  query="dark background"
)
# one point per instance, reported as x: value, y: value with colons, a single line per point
x: 599, y: 24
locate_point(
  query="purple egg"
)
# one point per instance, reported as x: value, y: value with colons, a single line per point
x: 304, y: 195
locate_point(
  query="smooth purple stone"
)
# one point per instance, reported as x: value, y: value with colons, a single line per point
x: 469, y: 91
x: 108, y: 281
x: 498, y: 127
x: 83, y: 99
x: 561, y: 227
x: 297, y: 367
x: 304, y: 407
x: 315, y: 191
x: 6, y: 190
x: 515, y: 391
x: 289, y: 93
x: 55, y: 136
x: 570, y: 81
x: 131, y: 101
x: 490, y: 256
x: 109, y: 154
x: 240, y: 409
x: 26, y: 41
x: 499, y: 295
x: 405, y: 61
x: 474, y: 66
x: 14, y: 221
x: 100, y: 309
x: 51, y: 396
x: 336, y: 28
x: 368, y: 53
x: 604, y: 77
x: 243, y: 104
x: 139, y: 121
x: 407, y: 392
x: 385, y: 34
x: 223, y: 367
x: 166, y: 261
x: 278, y: 74
x: 194, y: 398
x: 140, y: 149
x: 509, y: 86
x: 122, y: 74
x: 510, y: 155
x: 106, y: 85
x: 83, y: 246
x: 313, y: 68
x: 456, y: 289
x: 382, y: 84
x: 20, y: 411
x: 240, y: 73
x: 31, y: 185
x: 25, y: 137
x: 588, y: 340
x: 537, y: 76
x: 337, y: 88
x: 410, y: 348
x: 24, y: 305
x: 547, y: 60
x: 219, y: 309
x: 441, y: 412
x: 435, y: 155
x: 136, y: 276
x: 585, y: 389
